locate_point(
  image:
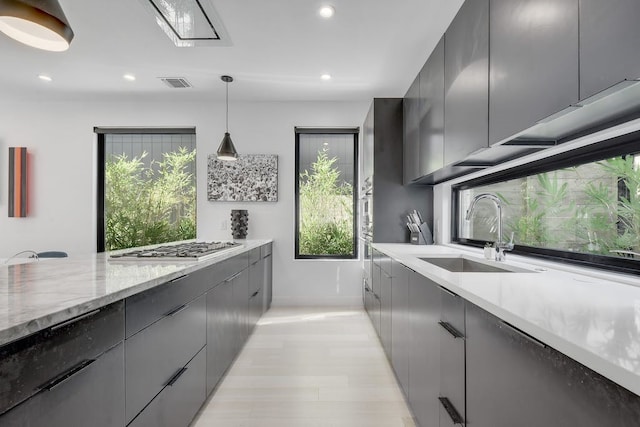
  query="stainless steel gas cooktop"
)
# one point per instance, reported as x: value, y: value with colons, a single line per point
x: 191, y: 251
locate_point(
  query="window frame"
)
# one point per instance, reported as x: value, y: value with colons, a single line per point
x: 332, y: 130
x: 617, y: 146
x: 101, y: 133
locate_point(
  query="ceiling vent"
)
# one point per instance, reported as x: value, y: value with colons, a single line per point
x: 176, y: 82
x: 189, y: 23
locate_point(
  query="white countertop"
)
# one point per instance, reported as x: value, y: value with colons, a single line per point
x: 38, y: 294
x: 594, y: 319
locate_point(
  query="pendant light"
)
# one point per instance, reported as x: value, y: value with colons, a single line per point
x: 37, y: 23
x: 226, y: 150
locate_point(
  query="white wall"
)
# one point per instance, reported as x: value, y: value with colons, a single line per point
x: 60, y: 139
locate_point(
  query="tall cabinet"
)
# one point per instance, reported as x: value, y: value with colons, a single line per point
x: 383, y: 156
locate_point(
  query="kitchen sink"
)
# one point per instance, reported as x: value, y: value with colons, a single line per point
x: 461, y: 264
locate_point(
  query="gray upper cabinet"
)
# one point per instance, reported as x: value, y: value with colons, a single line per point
x: 609, y: 49
x: 431, y: 108
x: 533, y: 62
x: 466, y: 82
x: 411, y: 121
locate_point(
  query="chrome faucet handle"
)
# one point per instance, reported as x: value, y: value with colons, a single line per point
x: 502, y: 247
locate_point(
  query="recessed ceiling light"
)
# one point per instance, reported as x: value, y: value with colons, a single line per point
x: 327, y: 11
x: 326, y: 77
x: 44, y: 77
x: 129, y: 77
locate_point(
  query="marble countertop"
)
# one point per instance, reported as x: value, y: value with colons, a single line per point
x: 594, y: 319
x: 38, y: 294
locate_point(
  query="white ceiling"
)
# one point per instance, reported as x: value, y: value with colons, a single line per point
x: 372, y: 48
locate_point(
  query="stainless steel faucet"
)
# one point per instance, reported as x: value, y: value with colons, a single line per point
x: 501, y: 246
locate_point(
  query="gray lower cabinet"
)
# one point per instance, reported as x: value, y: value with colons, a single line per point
x: 241, y: 309
x: 431, y: 107
x: 180, y: 400
x: 400, y: 336
x: 609, y: 49
x: 424, y: 350
x: 385, y: 311
x: 374, y: 312
x: 515, y: 380
x: 92, y: 394
x: 267, y: 294
x: 452, y: 359
x: 256, y: 289
x: 220, y: 332
x: 411, y: 125
x: 533, y: 59
x: 466, y: 82
x: 157, y: 353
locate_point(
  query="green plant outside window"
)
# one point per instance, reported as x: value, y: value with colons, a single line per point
x: 147, y: 205
x: 593, y: 208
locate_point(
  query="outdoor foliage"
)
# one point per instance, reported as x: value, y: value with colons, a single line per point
x: 149, y: 205
x: 326, y: 210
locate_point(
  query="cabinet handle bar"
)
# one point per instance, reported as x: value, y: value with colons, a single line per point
x: 75, y: 319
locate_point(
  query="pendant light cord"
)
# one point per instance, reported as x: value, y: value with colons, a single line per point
x: 227, y: 83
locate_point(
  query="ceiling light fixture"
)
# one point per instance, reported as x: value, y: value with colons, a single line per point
x: 326, y: 77
x: 226, y: 150
x: 327, y: 11
x: 45, y: 78
x: 36, y: 23
x: 129, y: 77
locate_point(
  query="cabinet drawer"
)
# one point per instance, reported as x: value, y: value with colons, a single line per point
x: 147, y: 307
x: 265, y: 250
x: 155, y: 354
x: 230, y: 267
x: 179, y: 401
x: 93, y: 395
x: 452, y: 311
x: 28, y: 364
x: 254, y: 256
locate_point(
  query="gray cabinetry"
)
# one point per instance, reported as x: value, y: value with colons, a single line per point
x: 241, y: 309
x: 424, y: 350
x: 220, y: 338
x: 533, y: 62
x: 431, y: 112
x: 400, y: 335
x: 452, y: 359
x: 374, y: 303
x: 466, y: 82
x: 385, y: 306
x: 179, y: 402
x: 411, y: 123
x: 513, y: 379
x: 267, y: 294
x: 90, y: 395
x: 609, y: 49
x: 390, y: 200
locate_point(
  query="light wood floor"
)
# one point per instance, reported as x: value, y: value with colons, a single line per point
x: 309, y: 367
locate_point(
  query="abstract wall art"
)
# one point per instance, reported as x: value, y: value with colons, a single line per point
x: 17, y: 181
x: 251, y: 178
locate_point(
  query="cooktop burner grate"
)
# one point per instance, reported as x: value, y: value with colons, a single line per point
x: 182, y: 251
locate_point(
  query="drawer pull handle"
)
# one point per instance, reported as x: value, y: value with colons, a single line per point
x: 177, y: 279
x: 449, y: 292
x: 524, y: 335
x: 74, y: 320
x: 177, y: 310
x: 255, y: 293
x: 233, y: 277
x: 451, y: 410
x: 449, y: 328
x: 66, y: 376
x: 178, y: 374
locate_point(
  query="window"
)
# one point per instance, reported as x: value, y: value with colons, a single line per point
x: 326, y: 174
x: 146, y: 187
x: 583, y: 208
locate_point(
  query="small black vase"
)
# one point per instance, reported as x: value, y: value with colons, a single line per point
x: 239, y: 223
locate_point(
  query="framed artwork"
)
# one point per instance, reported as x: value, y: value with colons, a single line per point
x: 251, y: 178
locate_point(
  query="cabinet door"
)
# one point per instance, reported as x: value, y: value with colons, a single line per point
x: 376, y: 285
x: 220, y: 338
x: 241, y: 307
x: 424, y: 352
x: 533, y: 62
x: 609, y: 49
x: 268, y: 283
x: 513, y: 379
x: 385, y: 312
x: 411, y: 139
x: 91, y: 396
x: 466, y: 81
x: 431, y: 105
x: 452, y: 360
x: 400, y: 339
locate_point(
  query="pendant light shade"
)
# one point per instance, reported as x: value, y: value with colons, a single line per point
x: 37, y: 23
x: 226, y: 150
